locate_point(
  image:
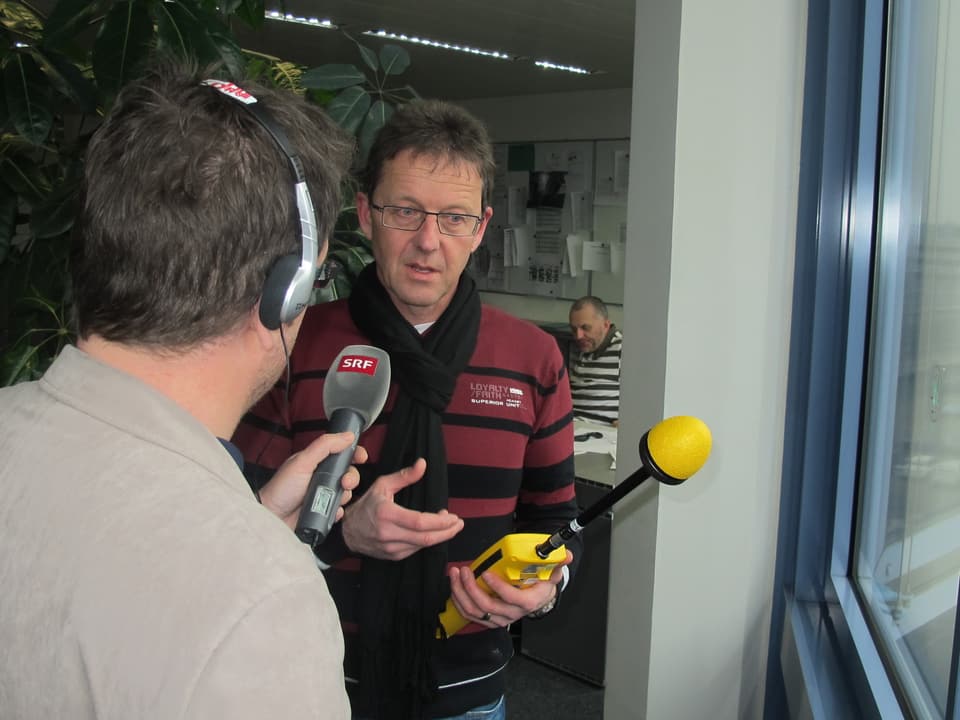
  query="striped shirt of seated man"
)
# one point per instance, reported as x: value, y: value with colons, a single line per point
x: 595, y: 364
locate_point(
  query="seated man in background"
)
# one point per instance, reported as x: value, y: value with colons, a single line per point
x: 595, y: 366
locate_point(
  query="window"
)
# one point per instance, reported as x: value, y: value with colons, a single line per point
x: 907, y: 530
x: 864, y: 617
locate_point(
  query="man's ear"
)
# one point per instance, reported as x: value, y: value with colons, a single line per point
x: 478, y: 238
x: 257, y: 331
x: 364, y: 215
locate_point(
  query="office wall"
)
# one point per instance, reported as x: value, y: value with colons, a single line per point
x: 597, y: 115
x: 714, y: 169
x: 594, y: 115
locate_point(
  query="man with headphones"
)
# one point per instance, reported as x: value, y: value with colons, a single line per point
x: 141, y: 577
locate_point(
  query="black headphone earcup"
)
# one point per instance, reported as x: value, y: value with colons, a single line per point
x: 275, y: 289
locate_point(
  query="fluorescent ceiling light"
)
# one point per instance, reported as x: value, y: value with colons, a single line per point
x: 566, y: 68
x: 299, y: 20
x: 388, y: 35
x: 496, y: 54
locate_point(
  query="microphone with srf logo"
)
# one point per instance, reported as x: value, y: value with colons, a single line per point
x: 354, y: 392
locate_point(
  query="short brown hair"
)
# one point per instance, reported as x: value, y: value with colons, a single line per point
x: 434, y: 128
x: 187, y: 202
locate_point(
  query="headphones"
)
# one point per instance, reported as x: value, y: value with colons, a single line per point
x: 289, y: 283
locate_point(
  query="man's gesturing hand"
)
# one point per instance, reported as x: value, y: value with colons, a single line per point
x: 377, y: 527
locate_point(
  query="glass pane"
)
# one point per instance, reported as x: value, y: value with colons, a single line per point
x: 907, y: 558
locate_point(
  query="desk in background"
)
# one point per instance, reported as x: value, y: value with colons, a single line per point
x: 573, y: 638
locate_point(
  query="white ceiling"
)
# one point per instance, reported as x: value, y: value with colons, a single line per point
x: 595, y: 34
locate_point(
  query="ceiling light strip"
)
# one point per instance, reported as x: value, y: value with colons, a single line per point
x: 299, y: 20
x: 387, y: 35
x: 546, y: 64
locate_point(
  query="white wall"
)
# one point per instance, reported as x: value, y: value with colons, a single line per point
x: 594, y: 115
x: 714, y: 171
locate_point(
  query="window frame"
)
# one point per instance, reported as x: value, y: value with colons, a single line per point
x: 822, y: 658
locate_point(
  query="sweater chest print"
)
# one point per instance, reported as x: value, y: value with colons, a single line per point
x: 498, y: 394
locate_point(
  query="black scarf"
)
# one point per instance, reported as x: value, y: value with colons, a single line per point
x: 400, y: 601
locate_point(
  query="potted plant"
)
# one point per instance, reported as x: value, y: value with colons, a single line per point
x: 59, y: 72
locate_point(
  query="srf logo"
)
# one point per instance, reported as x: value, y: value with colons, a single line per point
x: 359, y: 364
x: 234, y: 91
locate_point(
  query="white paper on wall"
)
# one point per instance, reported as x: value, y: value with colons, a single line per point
x: 547, y: 232
x: 509, y: 247
x: 580, y: 203
x: 517, y: 246
x: 516, y: 205
x: 596, y: 256
x: 543, y: 275
x: 573, y: 255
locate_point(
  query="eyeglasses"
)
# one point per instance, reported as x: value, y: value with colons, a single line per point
x: 326, y: 273
x: 411, y: 220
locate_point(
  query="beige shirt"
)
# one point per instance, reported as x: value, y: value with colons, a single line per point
x: 139, y: 576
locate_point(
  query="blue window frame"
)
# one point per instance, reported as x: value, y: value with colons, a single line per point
x: 864, y: 620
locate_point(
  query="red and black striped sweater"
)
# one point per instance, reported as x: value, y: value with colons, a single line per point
x: 509, y: 443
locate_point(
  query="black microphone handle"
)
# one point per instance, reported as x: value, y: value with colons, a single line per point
x: 322, y: 500
x: 647, y: 469
x: 561, y: 536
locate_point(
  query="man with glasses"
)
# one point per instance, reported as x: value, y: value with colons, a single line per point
x: 481, y: 396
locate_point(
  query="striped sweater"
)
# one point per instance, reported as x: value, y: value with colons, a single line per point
x: 509, y: 443
x: 595, y: 380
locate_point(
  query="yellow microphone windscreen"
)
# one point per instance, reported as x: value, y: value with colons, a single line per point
x: 680, y: 445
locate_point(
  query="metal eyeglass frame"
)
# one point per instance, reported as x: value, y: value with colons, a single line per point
x: 423, y: 218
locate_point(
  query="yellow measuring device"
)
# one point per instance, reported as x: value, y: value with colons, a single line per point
x: 515, y: 559
x: 671, y: 451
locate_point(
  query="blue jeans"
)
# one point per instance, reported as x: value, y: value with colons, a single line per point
x: 496, y: 710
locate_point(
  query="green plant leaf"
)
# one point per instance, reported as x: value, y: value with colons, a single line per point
x: 319, y: 97
x: 349, y: 108
x: 16, y: 362
x: 28, y: 97
x: 122, y: 45
x: 4, y: 113
x: 286, y: 75
x: 228, y: 51
x: 65, y: 21
x: 394, y: 59
x: 184, y: 29
x: 369, y: 56
x: 18, y: 18
x: 251, y: 12
x: 55, y: 215
x: 24, y: 176
x: 8, y: 220
x: 333, y: 77
x: 376, y: 118
x: 68, y: 79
